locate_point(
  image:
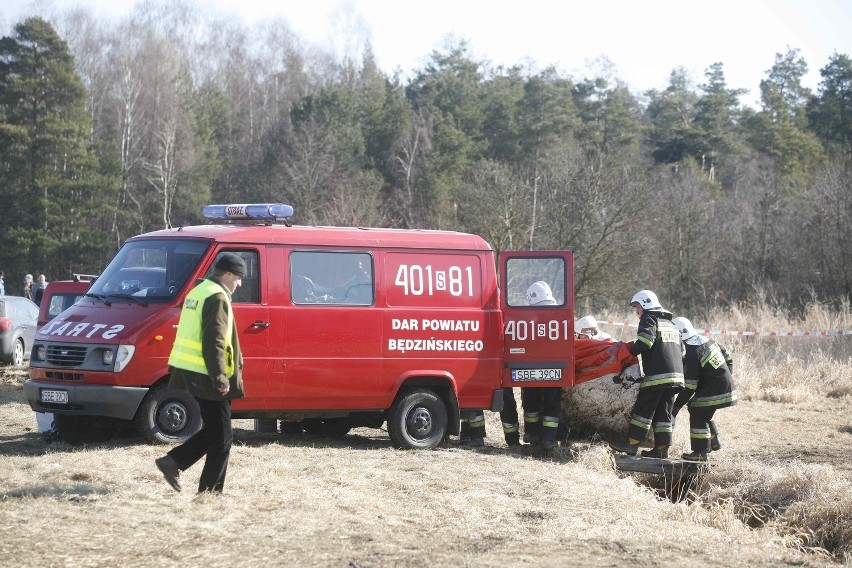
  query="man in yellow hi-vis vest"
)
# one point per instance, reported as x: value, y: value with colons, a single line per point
x: 206, y: 362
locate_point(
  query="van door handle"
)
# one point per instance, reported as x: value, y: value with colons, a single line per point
x: 262, y: 324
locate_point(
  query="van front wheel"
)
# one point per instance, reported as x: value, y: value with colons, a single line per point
x: 418, y: 420
x: 168, y: 416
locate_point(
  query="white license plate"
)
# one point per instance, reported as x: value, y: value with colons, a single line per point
x: 56, y: 397
x: 524, y: 375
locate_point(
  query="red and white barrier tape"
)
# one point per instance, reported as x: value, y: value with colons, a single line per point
x: 756, y: 333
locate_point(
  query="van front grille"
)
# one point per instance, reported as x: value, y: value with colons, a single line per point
x: 66, y: 355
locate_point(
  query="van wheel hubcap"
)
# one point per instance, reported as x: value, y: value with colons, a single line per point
x: 172, y: 417
x: 420, y: 422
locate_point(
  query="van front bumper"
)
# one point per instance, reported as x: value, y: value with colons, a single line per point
x: 89, y: 400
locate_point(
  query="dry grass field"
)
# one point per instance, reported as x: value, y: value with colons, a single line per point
x: 779, y: 493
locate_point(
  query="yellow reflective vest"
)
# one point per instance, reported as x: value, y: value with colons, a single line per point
x: 186, y: 351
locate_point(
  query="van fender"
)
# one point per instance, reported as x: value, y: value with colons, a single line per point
x: 443, y: 382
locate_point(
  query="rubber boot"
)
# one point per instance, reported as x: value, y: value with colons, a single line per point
x: 549, y: 429
x: 477, y: 440
x: 659, y: 452
x: 464, y: 432
x: 532, y: 428
x: 629, y: 448
x: 695, y: 456
x: 513, y: 439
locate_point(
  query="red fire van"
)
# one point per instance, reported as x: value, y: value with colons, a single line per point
x: 339, y: 327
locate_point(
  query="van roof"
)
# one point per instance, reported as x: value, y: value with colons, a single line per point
x: 327, y: 236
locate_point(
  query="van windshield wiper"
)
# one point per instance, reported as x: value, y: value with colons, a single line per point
x: 136, y: 299
x: 99, y: 297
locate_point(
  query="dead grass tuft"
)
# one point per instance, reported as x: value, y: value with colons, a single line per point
x: 809, y: 504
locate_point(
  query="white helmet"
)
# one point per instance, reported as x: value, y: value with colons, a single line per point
x: 539, y: 293
x: 647, y: 300
x: 586, y: 322
x: 684, y: 326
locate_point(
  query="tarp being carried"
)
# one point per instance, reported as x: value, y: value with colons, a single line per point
x: 594, y: 358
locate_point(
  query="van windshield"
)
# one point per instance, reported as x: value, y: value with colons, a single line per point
x: 149, y: 270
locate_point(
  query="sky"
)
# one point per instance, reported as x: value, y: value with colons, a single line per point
x: 643, y: 41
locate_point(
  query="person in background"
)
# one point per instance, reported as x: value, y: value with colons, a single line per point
x: 28, y: 286
x: 658, y: 343
x: 2, y: 284
x: 206, y: 362
x: 38, y: 288
x: 587, y: 328
x: 708, y: 371
x: 542, y: 405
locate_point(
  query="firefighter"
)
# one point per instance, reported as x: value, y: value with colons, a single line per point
x: 709, y: 386
x: 542, y: 405
x: 587, y: 328
x: 658, y: 343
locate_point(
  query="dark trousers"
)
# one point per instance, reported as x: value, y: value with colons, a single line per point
x: 214, y: 440
x: 701, y: 428
x: 653, y: 408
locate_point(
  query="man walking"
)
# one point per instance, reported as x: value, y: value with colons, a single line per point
x: 206, y: 362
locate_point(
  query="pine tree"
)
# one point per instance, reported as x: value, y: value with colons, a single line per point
x: 47, y: 172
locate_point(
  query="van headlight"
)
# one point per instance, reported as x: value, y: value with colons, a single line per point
x: 123, y: 355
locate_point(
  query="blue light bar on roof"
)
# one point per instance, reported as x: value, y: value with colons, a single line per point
x: 253, y: 211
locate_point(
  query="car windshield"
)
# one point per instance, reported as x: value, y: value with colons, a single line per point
x: 150, y: 270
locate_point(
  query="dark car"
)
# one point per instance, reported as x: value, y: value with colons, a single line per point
x: 18, y: 318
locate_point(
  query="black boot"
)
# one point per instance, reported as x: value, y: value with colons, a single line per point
x: 476, y: 441
x: 660, y: 452
x: 464, y: 432
x: 695, y: 456
x: 623, y: 446
x: 513, y: 439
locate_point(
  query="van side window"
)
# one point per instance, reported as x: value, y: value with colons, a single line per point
x: 249, y: 291
x: 522, y: 273
x: 331, y: 278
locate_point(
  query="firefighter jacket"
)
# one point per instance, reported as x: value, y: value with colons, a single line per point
x: 707, y: 367
x: 658, y: 343
x: 206, y: 354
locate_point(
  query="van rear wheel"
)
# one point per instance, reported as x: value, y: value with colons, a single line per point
x: 418, y: 420
x: 168, y: 416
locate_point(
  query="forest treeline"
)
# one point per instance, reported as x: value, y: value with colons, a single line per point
x: 111, y: 129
